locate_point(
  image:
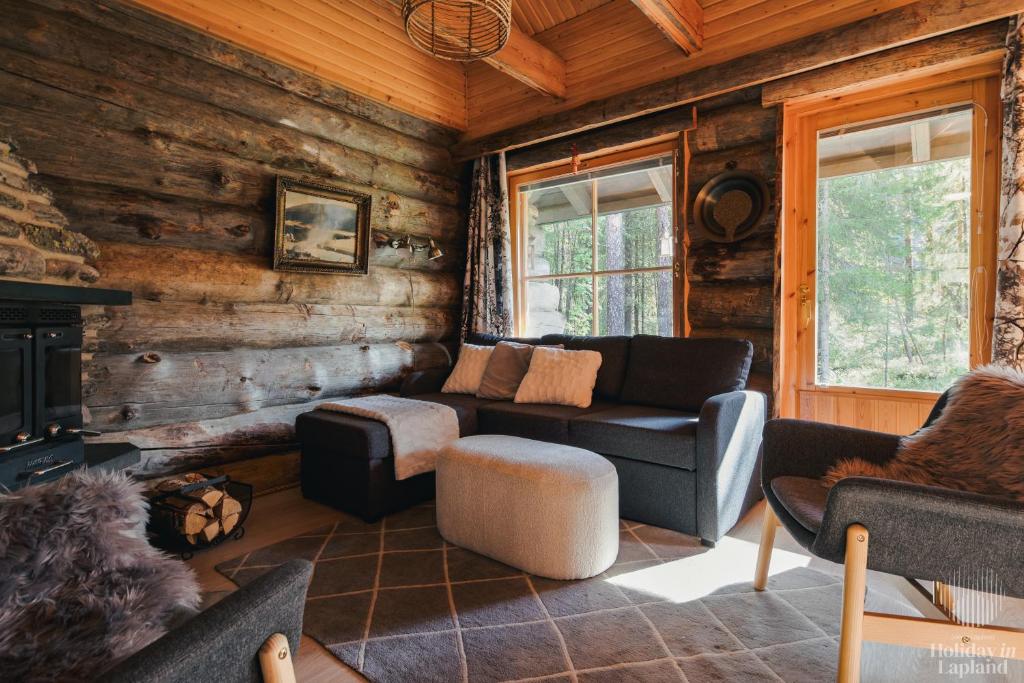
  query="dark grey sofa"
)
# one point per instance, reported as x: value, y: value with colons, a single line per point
x: 223, y: 642
x: 671, y: 415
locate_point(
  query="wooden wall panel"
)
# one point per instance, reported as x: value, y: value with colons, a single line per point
x: 164, y: 145
x: 614, y: 48
x: 358, y: 44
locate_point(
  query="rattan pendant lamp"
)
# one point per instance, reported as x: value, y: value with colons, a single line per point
x: 459, y: 30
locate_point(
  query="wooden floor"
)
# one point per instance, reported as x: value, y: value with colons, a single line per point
x: 276, y: 517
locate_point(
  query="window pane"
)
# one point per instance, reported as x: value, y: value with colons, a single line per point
x: 565, y: 305
x: 893, y: 243
x: 640, y: 303
x: 559, y: 239
x: 634, y: 228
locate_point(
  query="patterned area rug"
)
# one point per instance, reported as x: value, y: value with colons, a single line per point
x: 395, y: 602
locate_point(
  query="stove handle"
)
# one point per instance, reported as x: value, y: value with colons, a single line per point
x: 47, y: 470
x: 83, y: 432
x: 21, y: 444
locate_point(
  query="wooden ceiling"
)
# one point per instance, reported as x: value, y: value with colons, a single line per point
x: 563, y: 53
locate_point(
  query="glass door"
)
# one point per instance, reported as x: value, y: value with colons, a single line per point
x: 888, y: 253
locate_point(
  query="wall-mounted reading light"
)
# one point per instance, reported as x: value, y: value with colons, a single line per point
x: 434, y: 252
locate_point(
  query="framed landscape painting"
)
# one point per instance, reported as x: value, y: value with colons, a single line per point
x: 321, y: 229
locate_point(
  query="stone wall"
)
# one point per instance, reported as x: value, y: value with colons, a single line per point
x: 38, y: 244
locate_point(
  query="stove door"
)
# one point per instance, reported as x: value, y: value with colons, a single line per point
x: 58, y: 378
x: 15, y: 385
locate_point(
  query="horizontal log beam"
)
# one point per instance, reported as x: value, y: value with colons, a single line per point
x: 130, y: 391
x: 529, y: 62
x: 48, y: 90
x: 126, y: 214
x: 907, y: 24
x: 134, y: 23
x: 192, y: 275
x: 734, y: 126
x: 682, y: 21
x: 183, y: 326
x: 948, y: 52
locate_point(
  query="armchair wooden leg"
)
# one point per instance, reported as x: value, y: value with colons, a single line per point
x: 276, y: 660
x: 852, y: 630
x: 764, y: 552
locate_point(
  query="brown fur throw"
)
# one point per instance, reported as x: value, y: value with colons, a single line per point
x: 80, y: 586
x: 976, y: 444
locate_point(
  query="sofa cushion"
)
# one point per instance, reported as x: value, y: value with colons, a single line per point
x: 483, y: 339
x: 466, y: 408
x: 540, y: 421
x: 804, y: 498
x: 614, y: 357
x: 683, y: 373
x: 658, y: 435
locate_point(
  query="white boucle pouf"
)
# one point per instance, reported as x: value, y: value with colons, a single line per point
x: 545, y: 508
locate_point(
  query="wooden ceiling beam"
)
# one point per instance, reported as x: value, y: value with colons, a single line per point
x: 529, y: 62
x: 682, y: 21
x: 947, y: 52
x: 918, y: 21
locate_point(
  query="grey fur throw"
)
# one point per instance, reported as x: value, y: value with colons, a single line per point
x: 976, y: 444
x: 80, y: 586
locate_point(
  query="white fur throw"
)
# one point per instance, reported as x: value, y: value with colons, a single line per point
x: 419, y: 429
x: 976, y: 444
x: 80, y: 586
x: 560, y: 377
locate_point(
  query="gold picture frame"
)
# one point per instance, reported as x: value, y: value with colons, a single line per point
x: 321, y: 229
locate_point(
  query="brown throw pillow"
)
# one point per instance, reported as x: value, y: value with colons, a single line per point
x: 505, y: 371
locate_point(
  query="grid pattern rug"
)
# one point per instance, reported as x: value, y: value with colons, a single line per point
x: 396, y: 602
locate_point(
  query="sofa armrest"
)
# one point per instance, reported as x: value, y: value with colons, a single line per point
x: 223, y: 642
x: 424, y: 381
x: 728, y: 437
x: 927, y: 532
x: 799, y: 448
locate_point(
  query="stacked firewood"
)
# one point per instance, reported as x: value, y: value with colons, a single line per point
x: 201, y: 515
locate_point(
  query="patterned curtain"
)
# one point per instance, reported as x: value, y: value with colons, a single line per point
x: 1008, y: 335
x: 487, y: 299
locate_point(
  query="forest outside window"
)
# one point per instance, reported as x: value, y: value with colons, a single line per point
x: 893, y: 252
x: 595, y: 251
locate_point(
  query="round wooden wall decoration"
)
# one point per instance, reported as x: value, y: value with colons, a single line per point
x: 730, y: 206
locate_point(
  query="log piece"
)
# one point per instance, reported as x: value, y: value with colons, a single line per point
x: 185, y: 326
x: 174, y: 73
x: 232, y: 382
x: 127, y: 215
x: 41, y: 86
x: 138, y: 24
x: 740, y: 304
x: 192, y: 275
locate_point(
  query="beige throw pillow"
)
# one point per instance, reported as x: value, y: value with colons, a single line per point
x: 469, y: 370
x: 560, y: 377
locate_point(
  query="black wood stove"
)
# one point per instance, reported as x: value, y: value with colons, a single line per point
x: 41, y: 378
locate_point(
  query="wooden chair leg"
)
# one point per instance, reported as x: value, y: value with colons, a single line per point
x: 276, y: 660
x: 764, y: 552
x: 852, y: 630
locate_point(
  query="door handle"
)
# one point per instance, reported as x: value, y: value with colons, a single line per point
x: 805, y: 305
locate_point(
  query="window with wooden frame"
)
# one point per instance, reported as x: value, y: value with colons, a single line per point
x: 595, y: 251
x: 888, y: 247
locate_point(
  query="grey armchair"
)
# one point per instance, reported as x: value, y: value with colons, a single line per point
x: 247, y: 636
x: 929, y: 533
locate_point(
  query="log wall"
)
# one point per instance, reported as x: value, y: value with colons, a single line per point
x: 162, y: 145
x: 731, y: 285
